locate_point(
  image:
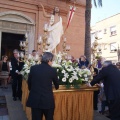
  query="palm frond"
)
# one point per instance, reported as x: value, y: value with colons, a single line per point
x: 95, y: 3
x: 99, y: 3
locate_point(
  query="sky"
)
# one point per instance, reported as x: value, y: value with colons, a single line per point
x: 109, y: 8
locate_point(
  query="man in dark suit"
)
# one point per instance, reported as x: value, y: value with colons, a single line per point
x: 17, y: 77
x: 111, y: 79
x: 40, y: 79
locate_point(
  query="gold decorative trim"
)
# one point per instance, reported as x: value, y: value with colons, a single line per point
x: 62, y: 88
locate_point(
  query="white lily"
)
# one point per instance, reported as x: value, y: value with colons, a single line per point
x: 74, y: 73
x: 59, y: 60
x: 86, y: 79
x: 74, y: 77
x: 70, y: 61
x: 85, y: 75
x: 70, y: 80
x: 64, y: 79
x: 66, y: 75
x: 25, y: 65
x: 63, y: 71
x: 56, y: 65
x: 27, y: 71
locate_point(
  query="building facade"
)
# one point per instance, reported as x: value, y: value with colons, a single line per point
x: 18, y: 17
x: 107, y: 32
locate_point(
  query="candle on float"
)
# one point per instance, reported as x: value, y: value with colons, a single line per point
x: 24, y: 44
x: 40, y: 40
x: 21, y: 44
x: 64, y: 39
x: 45, y: 26
x: 18, y: 54
x: 36, y: 57
x: 26, y: 35
x: 29, y: 57
x: 21, y: 55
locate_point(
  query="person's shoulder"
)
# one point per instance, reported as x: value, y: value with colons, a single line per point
x: 111, y: 66
x: 114, y: 68
x: 87, y: 60
x: 54, y: 69
x: 12, y: 58
x: 8, y: 62
x: 103, y: 70
x: 34, y: 66
x: 95, y: 76
x: 107, y: 68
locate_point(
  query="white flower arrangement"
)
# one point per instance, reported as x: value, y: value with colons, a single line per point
x: 26, y: 68
x: 70, y: 74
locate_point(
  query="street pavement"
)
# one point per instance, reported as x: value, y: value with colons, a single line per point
x: 14, y: 111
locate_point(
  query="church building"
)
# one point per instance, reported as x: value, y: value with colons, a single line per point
x: 20, y: 17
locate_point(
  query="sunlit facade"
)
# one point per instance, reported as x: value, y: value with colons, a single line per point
x: 108, y: 33
x: 18, y: 17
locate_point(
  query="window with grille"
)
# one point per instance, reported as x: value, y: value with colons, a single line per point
x: 113, y: 30
x: 113, y: 47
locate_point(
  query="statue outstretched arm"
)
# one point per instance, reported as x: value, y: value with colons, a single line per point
x: 44, y: 13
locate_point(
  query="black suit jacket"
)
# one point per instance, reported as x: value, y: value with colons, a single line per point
x: 111, y: 79
x: 40, y: 85
x: 16, y: 65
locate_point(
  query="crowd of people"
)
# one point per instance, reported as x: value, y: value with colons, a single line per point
x: 108, y: 79
x: 42, y: 76
x: 106, y: 76
x: 10, y: 73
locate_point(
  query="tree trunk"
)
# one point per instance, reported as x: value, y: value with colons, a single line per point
x: 87, y: 50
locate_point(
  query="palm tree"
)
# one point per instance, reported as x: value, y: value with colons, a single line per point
x: 87, y: 50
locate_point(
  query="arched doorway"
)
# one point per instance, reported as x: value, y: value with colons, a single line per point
x: 13, y: 27
x: 9, y: 42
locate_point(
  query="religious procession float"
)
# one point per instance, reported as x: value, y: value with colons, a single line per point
x: 73, y: 100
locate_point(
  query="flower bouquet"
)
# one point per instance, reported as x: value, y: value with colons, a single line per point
x: 30, y: 61
x: 69, y: 73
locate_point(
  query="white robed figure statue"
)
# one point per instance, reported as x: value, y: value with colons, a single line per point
x: 55, y: 28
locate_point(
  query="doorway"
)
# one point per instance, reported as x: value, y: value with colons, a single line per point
x: 9, y: 42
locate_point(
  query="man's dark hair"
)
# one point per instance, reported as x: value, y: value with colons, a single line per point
x: 46, y: 57
x: 107, y: 63
x: 15, y: 51
x: 4, y: 56
x: 33, y: 51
